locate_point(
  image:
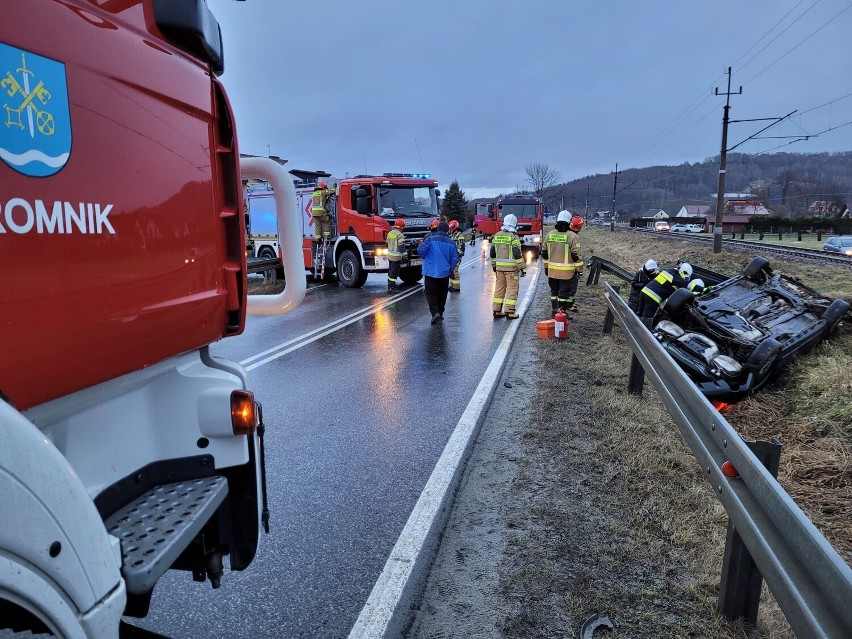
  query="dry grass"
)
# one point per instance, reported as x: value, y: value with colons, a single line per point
x: 657, y: 543
x: 263, y: 286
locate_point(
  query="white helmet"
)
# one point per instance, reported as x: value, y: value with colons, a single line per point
x: 696, y: 285
x: 563, y: 216
x: 685, y: 270
x: 510, y: 223
x: 651, y: 266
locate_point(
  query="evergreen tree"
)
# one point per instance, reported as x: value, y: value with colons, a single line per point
x: 454, y: 205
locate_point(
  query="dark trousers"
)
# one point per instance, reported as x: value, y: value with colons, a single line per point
x: 393, y: 271
x: 560, y: 291
x: 436, y: 289
x: 647, y: 306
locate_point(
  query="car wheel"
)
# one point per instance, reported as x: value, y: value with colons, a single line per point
x: 834, y: 313
x: 763, y: 358
x: 273, y: 274
x: 676, y: 304
x: 758, y: 270
x: 349, y: 271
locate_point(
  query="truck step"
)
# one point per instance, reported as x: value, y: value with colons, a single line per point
x: 156, y: 528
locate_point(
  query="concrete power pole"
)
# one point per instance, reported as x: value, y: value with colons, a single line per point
x: 614, y: 187
x: 587, y: 199
x: 720, y: 196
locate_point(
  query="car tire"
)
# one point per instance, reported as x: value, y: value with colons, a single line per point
x: 675, y: 306
x: 271, y: 275
x: 763, y: 359
x: 834, y: 313
x: 349, y: 271
x: 758, y: 270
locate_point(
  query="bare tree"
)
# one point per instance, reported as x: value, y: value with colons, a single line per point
x: 540, y: 177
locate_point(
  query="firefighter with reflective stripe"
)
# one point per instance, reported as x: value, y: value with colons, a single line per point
x: 649, y: 271
x: 697, y: 286
x: 507, y: 262
x: 576, y: 224
x: 396, y: 249
x: 661, y: 287
x: 457, y: 236
x: 561, y: 251
x: 319, y: 211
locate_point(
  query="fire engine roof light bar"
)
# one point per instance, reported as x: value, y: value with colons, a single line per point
x: 419, y: 176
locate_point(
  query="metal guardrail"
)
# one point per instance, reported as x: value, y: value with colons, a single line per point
x: 808, y: 578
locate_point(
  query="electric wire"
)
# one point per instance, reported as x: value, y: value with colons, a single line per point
x: 767, y: 33
x: 745, y: 64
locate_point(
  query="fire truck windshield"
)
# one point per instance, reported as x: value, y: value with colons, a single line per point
x: 519, y: 210
x: 408, y: 201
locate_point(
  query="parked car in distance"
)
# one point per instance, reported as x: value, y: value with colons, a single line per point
x: 661, y: 226
x: 734, y: 338
x: 687, y: 228
x: 838, y: 244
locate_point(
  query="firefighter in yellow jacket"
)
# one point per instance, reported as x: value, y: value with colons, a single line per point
x: 508, y: 264
x: 457, y: 236
x: 561, y: 250
x: 396, y: 249
x: 319, y: 211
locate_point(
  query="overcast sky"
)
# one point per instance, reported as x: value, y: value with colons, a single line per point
x: 486, y: 87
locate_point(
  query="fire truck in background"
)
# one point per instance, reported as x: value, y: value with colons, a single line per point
x: 126, y: 448
x: 527, y: 208
x: 363, y: 210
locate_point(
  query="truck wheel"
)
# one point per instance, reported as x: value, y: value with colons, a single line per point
x: 270, y: 275
x: 411, y: 275
x: 834, y: 313
x: 758, y: 270
x: 349, y: 271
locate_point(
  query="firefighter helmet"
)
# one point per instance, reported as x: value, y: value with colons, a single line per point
x: 651, y: 266
x: 510, y: 223
x: 400, y: 223
x: 563, y: 216
x: 685, y: 270
x: 454, y: 225
x: 322, y: 185
x: 577, y: 223
x: 433, y: 225
x: 696, y: 285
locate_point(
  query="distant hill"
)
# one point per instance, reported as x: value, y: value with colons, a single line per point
x: 786, y: 183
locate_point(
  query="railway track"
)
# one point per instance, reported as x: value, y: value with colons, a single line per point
x: 811, y: 255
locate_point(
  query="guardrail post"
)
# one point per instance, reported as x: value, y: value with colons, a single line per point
x: 739, y: 590
x: 609, y: 318
x: 636, y: 378
x: 597, y: 272
x: 593, y: 271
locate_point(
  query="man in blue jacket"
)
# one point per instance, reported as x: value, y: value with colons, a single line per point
x: 439, y: 255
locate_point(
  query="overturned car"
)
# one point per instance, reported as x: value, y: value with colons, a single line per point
x: 735, y: 337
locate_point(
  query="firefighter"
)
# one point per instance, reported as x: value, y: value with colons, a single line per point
x: 697, y: 286
x: 576, y: 224
x: 661, y: 287
x: 396, y: 248
x: 649, y: 271
x: 561, y: 251
x: 319, y: 211
x: 507, y: 262
x: 457, y: 236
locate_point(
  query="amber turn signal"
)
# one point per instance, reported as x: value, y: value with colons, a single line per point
x: 728, y: 470
x: 243, y: 414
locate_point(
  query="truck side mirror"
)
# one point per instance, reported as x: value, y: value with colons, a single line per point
x: 437, y: 193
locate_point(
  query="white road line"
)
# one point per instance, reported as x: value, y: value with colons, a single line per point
x: 389, y: 607
x: 315, y: 334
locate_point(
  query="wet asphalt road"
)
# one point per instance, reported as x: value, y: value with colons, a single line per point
x: 356, y: 420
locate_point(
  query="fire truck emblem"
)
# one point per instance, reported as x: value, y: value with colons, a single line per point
x: 35, y: 123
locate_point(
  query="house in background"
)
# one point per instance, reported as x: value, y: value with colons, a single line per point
x: 694, y: 210
x: 655, y: 214
x: 745, y: 207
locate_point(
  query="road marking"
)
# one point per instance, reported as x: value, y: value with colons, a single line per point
x: 311, y: 336
x: 389, y: 607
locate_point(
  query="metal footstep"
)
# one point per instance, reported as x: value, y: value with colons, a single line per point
x: 156, y: 528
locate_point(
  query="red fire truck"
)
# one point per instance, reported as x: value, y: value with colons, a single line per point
x: 363, y: 210
x: 126, y: 448
x: 527, y: 208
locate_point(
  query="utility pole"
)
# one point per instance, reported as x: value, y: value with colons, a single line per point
x: 573, y: 203
x: 614, y: 187
x: 587, y: 199
x: 720, y: 196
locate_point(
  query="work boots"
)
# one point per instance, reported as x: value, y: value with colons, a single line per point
x: 512, y: 315
x: 499, y: 314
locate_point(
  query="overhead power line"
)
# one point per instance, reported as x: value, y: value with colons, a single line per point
x: 802, y: 15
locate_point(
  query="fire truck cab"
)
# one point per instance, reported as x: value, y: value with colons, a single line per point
x: 527, y: 208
